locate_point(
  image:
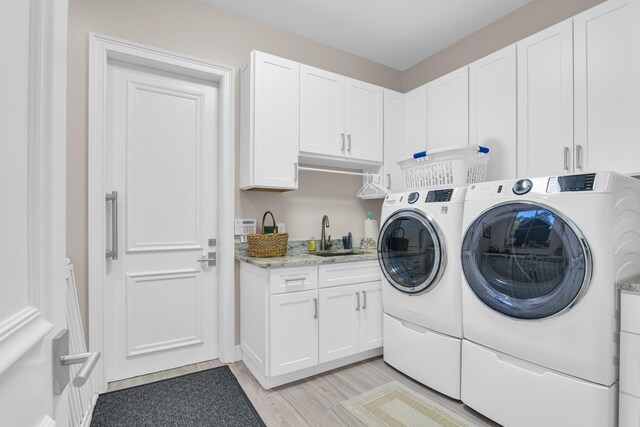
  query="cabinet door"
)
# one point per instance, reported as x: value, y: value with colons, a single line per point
x: 321, y: 112
x: 370, y: 316
x: 293, y: 332
x: 276, y: 121
x: 415, y: 122
x: 545, y: 102
x: 338, y: 322
x: 603, y: 85
x: 629, y: 411
x: 393, y: 140
x: 363, y: 120
x: 492, y: 110
x: 448, y: 110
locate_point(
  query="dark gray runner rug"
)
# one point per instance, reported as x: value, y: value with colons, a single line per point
x: 206, y: 398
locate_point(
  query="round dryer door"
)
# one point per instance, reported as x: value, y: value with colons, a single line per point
x: 525, y: 260
x: 411, y: 252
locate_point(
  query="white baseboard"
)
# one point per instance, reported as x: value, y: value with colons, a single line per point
x: 237, y: 353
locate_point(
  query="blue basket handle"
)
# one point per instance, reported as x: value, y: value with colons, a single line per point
x: 420, y: 154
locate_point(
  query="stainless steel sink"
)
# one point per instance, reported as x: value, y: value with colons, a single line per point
x: 338, y: 252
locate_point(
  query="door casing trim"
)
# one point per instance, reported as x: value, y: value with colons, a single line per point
x: 102, y: 49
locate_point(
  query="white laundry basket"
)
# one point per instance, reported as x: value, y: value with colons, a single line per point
x: 459, y: 165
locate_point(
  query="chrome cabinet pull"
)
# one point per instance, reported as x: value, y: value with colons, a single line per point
x: 296, y: 279
x: 349, y: 147
x: 578, y: 156
x: 388, y: 181
x: 342, y: 136
x: 315, y: 308
x: 364, y: 300
x: 358, y: 298
x: 113, y: 198
x: 566, y: 158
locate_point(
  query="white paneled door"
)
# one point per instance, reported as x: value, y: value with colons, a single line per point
x: 32, y: 210
x: 161, y: 157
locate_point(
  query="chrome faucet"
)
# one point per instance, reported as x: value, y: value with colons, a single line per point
x: 325, y: 243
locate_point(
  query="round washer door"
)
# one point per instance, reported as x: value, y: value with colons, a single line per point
x: 411, y: 251
x: 525, y: 260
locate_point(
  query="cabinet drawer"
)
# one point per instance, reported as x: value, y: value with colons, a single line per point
x: 293, y: 279
x: 630, y: 363
x: 630, y: 312
x: 348, y: 273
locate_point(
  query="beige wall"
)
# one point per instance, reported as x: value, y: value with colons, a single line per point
x: 197, y: 29
x: 523, y: 22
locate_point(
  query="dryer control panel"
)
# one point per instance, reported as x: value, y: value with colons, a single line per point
x: 560, y: 184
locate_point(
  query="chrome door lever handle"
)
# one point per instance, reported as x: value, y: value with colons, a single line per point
x: 209, y: 258
x: 62, y: 359
x: 88, y: 360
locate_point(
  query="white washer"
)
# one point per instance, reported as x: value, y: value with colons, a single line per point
x: 418, y: 250
x: 540, y: 259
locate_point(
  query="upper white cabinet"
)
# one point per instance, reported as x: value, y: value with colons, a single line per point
x: 269, y: 122
x: 363, y: 120
x: 394, y: 141
x: 448, y: 110
x: 321, y: 112
x: 415, y: 121
x: 603, y: 89
x: 340, y: 117
x: 492, y: 110
x: 545, y: 102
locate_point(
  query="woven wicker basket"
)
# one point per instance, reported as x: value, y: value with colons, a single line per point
x: 268, y: 245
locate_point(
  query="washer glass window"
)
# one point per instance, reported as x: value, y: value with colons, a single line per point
x: 524, y: 260
x: 410, y: 252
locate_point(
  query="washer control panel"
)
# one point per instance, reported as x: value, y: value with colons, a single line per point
x: 522, y: 186
x: 413, y: 197
x: 436, y: 196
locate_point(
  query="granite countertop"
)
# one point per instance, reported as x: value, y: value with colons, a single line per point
x: 630, y: 285
x: 297, y: 255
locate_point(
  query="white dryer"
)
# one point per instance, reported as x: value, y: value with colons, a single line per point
x: 541, y: 313
x: 418, y: 249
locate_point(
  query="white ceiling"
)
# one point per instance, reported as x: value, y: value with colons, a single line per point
x: 396, y: 33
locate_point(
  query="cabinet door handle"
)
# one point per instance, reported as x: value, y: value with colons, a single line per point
x: 566, y: 158
x: 295, y: 279
x: 358, y: 299
x: 315, y: 308
x: 349, y: 147
x: 295, y: 172
x: 364, y: 300
x: 388, y: 181
x: 578, y: 156
x: 342, y: 136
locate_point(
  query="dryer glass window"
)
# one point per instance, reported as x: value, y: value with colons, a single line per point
x: 410, y: 252
x: 525, y: 260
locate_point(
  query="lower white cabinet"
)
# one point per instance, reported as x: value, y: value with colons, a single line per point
x: 293, y: 331
x: 300, y: 321
x: 629, y: 415
x: 350, y: 320
x: 371, y: 316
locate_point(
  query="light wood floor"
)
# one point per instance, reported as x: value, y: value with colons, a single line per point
x: 314, y: 401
